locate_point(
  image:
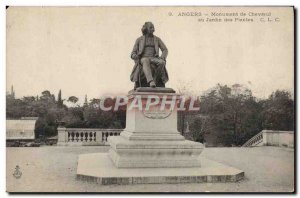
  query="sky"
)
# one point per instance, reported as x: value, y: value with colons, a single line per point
x: 86, y: 50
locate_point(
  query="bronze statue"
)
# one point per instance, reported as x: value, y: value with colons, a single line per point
x: 150, y: 68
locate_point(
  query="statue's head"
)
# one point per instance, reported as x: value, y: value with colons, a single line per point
x: 148, y: 28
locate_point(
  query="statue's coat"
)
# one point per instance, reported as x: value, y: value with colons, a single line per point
x: 138, y: 49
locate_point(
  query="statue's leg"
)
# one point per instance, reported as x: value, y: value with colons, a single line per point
x: 158, y: 61
x: 159, y: 65
x: 153, y: 71
x: 147, y: 69
x: 143, y: 80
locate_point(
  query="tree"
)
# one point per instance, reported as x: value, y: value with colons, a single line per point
x: 184, y: 91
x: 73, y: 99
x: 74, y: 118
x: 97, y: 118
x: 233, y: 112
x: 198, y: 128
x: 95, y: 102
x: 85, y: 104
x: 278, y: 111
x: 46, y: 95
x: 231, y: 115
x: 46, y: 109
x: 59, y: 100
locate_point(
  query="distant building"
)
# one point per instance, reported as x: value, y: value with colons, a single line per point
x: 21, y: 129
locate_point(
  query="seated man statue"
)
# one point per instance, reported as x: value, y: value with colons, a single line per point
x: 149, y: 69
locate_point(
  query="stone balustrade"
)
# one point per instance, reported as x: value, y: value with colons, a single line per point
x: 272, y: 138
x: 278, y: 138
x: 84, y: 136
x: 256, y: 140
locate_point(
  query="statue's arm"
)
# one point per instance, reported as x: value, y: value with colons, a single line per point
x: 164, y: 49
x: 134, y: 52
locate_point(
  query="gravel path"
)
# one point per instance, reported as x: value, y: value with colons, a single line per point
x: 53, y: 169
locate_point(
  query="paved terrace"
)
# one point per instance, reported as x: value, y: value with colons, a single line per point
x: 53, y: 169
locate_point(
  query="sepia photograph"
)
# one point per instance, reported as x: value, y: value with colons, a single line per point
x: 150, y: 99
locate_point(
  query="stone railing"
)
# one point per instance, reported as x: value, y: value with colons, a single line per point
x: 278, y: 138
x: 84, y: 136
x: 272, y: 138
x: 256, y: 140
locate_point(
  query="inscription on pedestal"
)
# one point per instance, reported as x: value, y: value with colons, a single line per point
x: 156, y: 113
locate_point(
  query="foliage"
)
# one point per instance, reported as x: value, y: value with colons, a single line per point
x: 49, y: 112
x: 59, y: 99
x: 73, y: 99
x: 279, y: 111
x: 231, y: 115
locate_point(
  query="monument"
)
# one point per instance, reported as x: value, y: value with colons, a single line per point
x: 150, y: 68
x: 150, y: 149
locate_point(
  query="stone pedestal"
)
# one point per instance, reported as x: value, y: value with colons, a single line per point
x: 98, y: 168
x: 150, y: 138
x: 151, y: 150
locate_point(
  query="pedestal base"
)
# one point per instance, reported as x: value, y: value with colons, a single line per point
x: 98, y: 168
x: 137, y: 154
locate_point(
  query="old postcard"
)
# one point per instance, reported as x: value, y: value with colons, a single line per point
x: 150, y: 99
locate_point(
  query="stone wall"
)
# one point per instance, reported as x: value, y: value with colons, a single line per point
x: 278, y: 138
x: 20, y: 129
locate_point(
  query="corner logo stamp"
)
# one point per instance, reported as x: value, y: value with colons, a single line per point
x: 17, y: 173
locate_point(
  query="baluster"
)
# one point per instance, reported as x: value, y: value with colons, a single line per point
x: 106, y: 135
x: 69, y: 135
x: 72, y: 134
x: 94, y: 136
x: 91, y: 136
x: 77, y: 136
x: 86, y: 136
x: 81, y: 136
